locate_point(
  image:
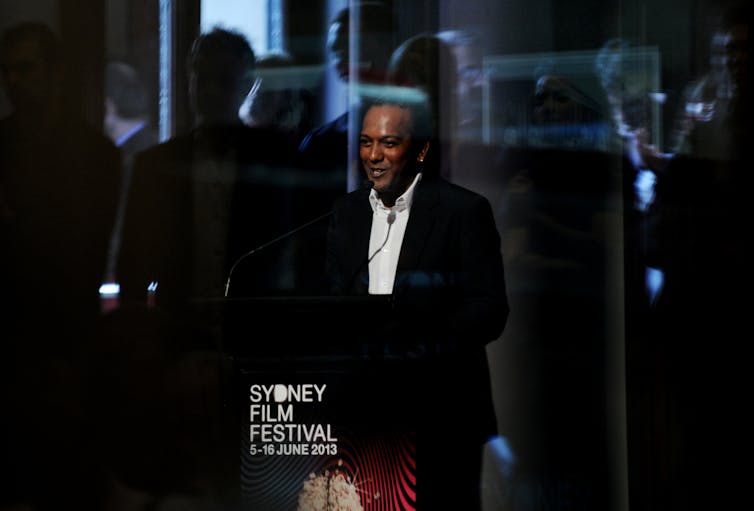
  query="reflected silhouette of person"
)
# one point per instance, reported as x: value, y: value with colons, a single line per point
x: 716, y: 109
x: 562, y: 112
x: 466, y: 46
x: 326, y: 146
x: 58, y: 191
x: 277, y: 102
x: 193, y: 208
x: 630, y: 103
x: 556, y: 100
x: 59, y: 180
x: 127, y: 120
x: 194, y: 203
x: 427, y: 63
x: 705, y: 245
x: 128, y: 125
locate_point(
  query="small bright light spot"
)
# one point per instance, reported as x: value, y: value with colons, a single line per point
x: 655, y: 281
x: 152, y: 287
x: 658, y: 97
x: 109, y: 289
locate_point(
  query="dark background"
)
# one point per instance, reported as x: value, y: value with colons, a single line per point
x: 632, y: 459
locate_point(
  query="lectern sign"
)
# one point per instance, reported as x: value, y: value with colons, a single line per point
x: 316, y: 438
x: 273, y: 427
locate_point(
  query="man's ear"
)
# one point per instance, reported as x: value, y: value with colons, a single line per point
x: 423, y: 153
x: 110, y: 108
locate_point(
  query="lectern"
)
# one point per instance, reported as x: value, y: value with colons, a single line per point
x: 326, y: 411
x: 297, y: 327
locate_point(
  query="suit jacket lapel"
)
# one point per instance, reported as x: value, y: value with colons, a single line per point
x: 360, y: 240
x: 358, y: 245
x: 420, y: 223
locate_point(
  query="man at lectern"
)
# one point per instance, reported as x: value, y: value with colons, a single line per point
x: 434, y: 247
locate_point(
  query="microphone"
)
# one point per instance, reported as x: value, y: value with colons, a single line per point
x: 390, y: 220
x: 271, y: 242
x: 366, y: 261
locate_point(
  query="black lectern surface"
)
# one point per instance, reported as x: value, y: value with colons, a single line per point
x: 304, y: 326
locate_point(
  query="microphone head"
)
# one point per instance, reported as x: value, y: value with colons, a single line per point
x: 391, y: 218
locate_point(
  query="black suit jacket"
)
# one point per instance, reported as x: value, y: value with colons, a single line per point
x: 159, y: 231
x: 57, y: 208
x: 449, y: 296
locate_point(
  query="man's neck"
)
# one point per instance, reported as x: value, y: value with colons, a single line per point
x: 390, y: 196
x: 122, y: 127
x: 38, y: 123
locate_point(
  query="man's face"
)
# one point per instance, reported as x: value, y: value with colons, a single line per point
x: 28, y: 79
x: 554, y: 100
x: 337, y: 46
x: 470, y: 78
x: 384, y: 147
x: 730, y: 53
x: 373, y: 53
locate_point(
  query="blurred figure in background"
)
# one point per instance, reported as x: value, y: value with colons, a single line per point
x: 195, y: 199
x: 427, y: 63
x: 467, y: 50
x: 128, y: 125
x: 183, y: 189
x: 276, y: 101
x: 281, y: 103
x: 446, y: 67
x: 326, y: 146
x: 564, y: 115
x: 716, y: 111
x: 557, y: 100
x: 127, y: 120
x: 630, y: 103
x: 705, y: 244
x: 192, y: 210
x: 58, y: 191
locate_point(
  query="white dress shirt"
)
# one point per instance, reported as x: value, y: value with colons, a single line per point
x: 386, y: 239
x: 213, y: 182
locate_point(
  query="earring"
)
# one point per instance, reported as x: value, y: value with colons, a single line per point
x: 420, y: 158
x: 423, y: 153
x: 419, y: 165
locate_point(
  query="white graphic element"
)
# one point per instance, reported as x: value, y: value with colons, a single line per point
x: 330, y: 491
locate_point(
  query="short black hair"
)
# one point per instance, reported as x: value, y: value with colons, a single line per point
x: 49, y: 44
x: 374, y: 16
x: 220, y: 41
x: 735, y: 15
x: 416, y: 101
x: 608, y: 64
x: 412, y: 99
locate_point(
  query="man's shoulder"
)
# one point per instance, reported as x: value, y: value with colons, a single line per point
x: 81, y: 142
x: 143, y: 139
x: 324, y: 136
x: 175, y: 149
x: 339, y: 125
x: 6, y: 130
x: 450, y: 193
x: 352, y: 200
x: 267, y: 145
x: 6, y: 121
